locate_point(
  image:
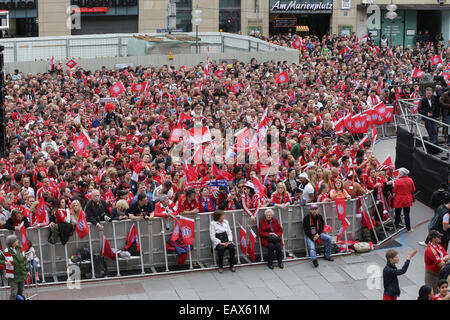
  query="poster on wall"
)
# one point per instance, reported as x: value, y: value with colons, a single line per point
x: 346, y: 4
x: 254, y: 30
x: 345, y: 30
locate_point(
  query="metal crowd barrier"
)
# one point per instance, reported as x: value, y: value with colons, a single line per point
x: 154, y: 258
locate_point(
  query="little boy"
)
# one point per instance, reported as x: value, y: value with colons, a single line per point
x: 390, y: 273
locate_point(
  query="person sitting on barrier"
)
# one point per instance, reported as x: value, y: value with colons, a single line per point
x: 97, y: 210
x: 403, y: 197
x: 338, y: 192
x: 119, y: 211
x: 435, y: 258
x: 142, y: 209
x: 15, y: 221
x: 281, y: 198
x: 313, y: 224
x: 188, y: 203
x: 390, y: 274
x: 353, y: 188
x: 16, y: 266
x: 270, y: 232
x: 222, y: 238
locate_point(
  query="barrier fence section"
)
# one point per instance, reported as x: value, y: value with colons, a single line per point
x: 155, y: 259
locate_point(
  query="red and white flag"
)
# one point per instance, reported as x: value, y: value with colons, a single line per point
x: 363, y: 140
x: 200, y: 135
x: 340, y: 208
x: 381, y: 111
x: 23, y: 237
x: 106, y: 250
x: 437, y: 59
x: 175, y: 134
x: 219, y: 73
x: 235, y: 88
x: 386, y: 164
x: 344, y: 225
x: 339, y: 126
x: 389, y: 53
x: 415, y: 107
x: 243, y: 240
x: 417, y: 73
x: 282, y: 77
x: 348, y: 122
x: 117, y: 89
x: 41, y: 214
x: 71, y: 64
x: 132, y: 237
x: 82, y: 226
x: 357, y: 123
x: 251, y: 245
x: 297, y: 43
x: 374, y: 135
x: 81, y: 143
x: 176, y: 231
x: 364, y: 38
x: 51, y: 65
x: 139, y: 87
x: 259, y: 187
x: 187, y: 226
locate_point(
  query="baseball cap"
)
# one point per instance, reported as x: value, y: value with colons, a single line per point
x: 304, y: 175
x: 314, y: 206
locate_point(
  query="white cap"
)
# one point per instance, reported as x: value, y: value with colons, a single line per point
x: 310, y: 165
x: 304, y: 175
x: 250, y: 185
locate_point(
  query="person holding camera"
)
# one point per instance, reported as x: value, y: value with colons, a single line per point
x: 97, y: 210
x: 16, y: 266
x: 313, y: 224
x: 222, y: 238
x: 270, y: 232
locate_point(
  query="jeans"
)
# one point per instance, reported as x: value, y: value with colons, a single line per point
x: 221, y: 251
x: 312, y: 246
x: 16, y: 289
x: 398, y: 211
x: 432, y: 130
x: 271, y: 247
x: 445, y: 130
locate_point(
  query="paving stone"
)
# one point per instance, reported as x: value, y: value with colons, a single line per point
x: 213, y: 294
x: 187, y: 294
x: 354, y: 258
x: 122, y: 298
x: 164, y: 295
x: 138, y: 296
x: 239, y: 292
x: 157, y: 285
x: 279, y: 288
x: 263, y: 293
x: 330, y: 274
x: 358, y: 271
x: 372, y: 294
x: 319, y: 285
x: 304, y: 292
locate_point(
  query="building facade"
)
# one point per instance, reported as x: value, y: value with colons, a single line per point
x: 268, y: 17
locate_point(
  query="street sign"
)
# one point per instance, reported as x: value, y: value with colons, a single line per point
x: 167, y: 30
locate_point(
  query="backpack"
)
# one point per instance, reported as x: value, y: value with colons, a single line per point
x: 436, y: 222
x: 100, y: 268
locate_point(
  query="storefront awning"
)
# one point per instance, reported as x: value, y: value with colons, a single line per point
x: 302, y: 28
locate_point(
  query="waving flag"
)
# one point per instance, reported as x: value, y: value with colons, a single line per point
x: 117, y: 89
x: 82, y: 226
x: 389, y: 53
x: 51, y: 65
x: 251, y: 245
x: 356, y: 123
x: 339, y: 126
x: 41, y: 215
x: 220, y: 175
x: 219, y: 73
x: 282, y: 77
x: 363, y: 140
x: 175, y: 134
x: 132, y: 237
x: 297, y: 43
x: 437, y: 59
x: 415, y: 107
x: 176, y: 231
x: 106, y: 250
x: 417, y: 73
x: 81, y: 143
x: 200, y: 135
x: 386, y: 164
x: 374, y: 135
x: 348, y: 122
x: 139, y: 87
x: 71, y: 64
x: 381, y: 113
x: 259, y: 187
x: 187, y: 226
x: 243, y: 240
x: 235, y: 88
x: 344, y: 225
x: 23, y: 237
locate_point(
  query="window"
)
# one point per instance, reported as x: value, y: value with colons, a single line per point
x: 184, y: 15
x: 230, y: 15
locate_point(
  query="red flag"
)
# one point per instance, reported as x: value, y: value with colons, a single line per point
x: 82, y: 226
x: 23, y: 237
x: 106, y: 250
x: 219, y: 73
x: 251, y: 245
x: 386, y: 164
x: 235, y: 88
x: 282, y: 77
x: 176, y: 231
x: 415, y: 107
x: 259, y: 187
x: 220, y: 175
x: 187, y: 229
x: 417, y: 73
x: 380, y: 110
x: 81, y: 143
x: 437, y: 59
x: 344, y: 50
x: 139, y: 87
x: 389, y: 53
x: 243, y: 240
x: 41, y: 215
x: 374, y: 135
x: 348, y: 122
x: 340, y: 208
x: 71, y: 63
x: 389, y: 114
x: 200, y: 135
x: 363, y: 140
x: 365, y: 220
x: 368, y: 115
x: 132, y: 237
x: 395, y: 173
x: 117, y: 89
x: 184, y: 117
x: 343, y: 228
x: 356, y: 123
x: 297, y: 43
x: 175, y: 134
x: 339, y: 126
x: 51, y: 65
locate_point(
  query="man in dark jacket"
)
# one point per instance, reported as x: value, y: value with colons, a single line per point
x: 141, y: 209
x: 390, y: 273
x: 313, y: 224
x: 80, y: 193
x: 444, y: 101
x: 430, y: 108
x: 440, y: 196
x: 97, y: 210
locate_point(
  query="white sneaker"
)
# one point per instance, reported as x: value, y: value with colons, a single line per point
x: 410, y: 230
x: 422, y: 243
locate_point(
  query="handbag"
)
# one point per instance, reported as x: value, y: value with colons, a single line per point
x: 223, y: 237
x: 273, y: 239
x: 412, y: 194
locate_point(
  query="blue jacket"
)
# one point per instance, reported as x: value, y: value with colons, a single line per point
x: 390, y: 280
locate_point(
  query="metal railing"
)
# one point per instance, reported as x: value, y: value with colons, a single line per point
x: 115, y: 45
x: 154, y: 259
x: 413, y: 123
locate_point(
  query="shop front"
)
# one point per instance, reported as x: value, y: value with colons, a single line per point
x: 23, y: 16
x: 105, y: 16
x: 300, y: 16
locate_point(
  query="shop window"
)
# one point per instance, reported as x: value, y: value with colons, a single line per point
x: 184, y: 15
x: 230, y: 15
